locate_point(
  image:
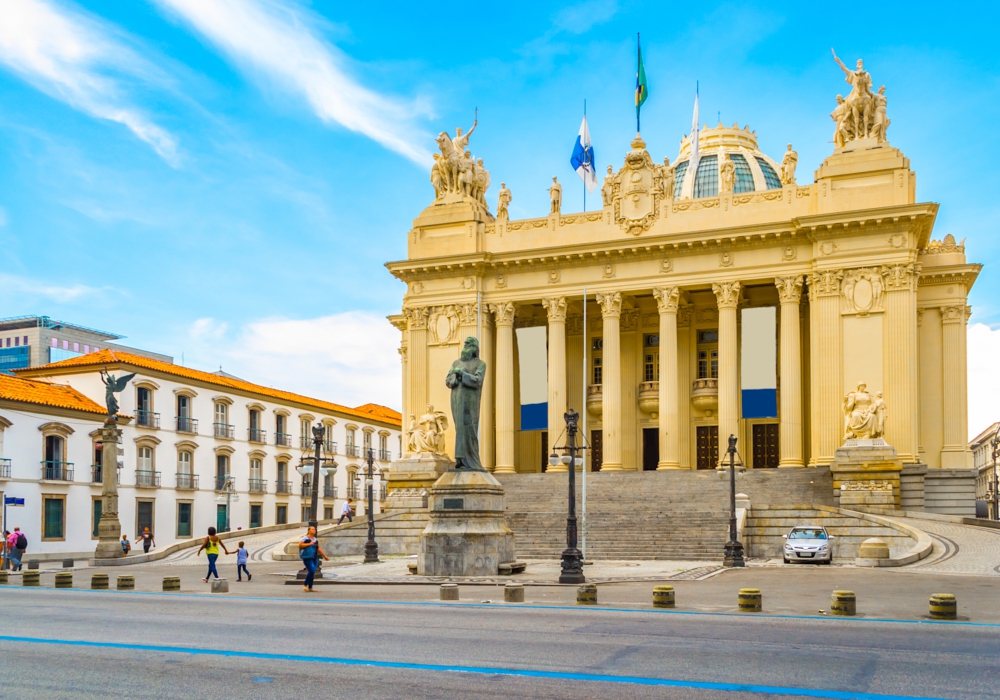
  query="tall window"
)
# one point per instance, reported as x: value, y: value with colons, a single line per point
x: 183, y: 519
x: 221, y: 413
x: 144, y: 406
x: 598, y: 371
x: 368, y: 442
x: 255, y: 469
x: 281, y: 514
x: 351, y: 437
x: 183, y: 462
x: 279, y: 424
x: 54, y: 452
x: 54, y: 518
x: 145, y: 459
x: 221, y: 471
x: 183, y: 406
x: 596, y: 352
x: 256, y: 434
x: 651, y: 358
x: 383, y: 445
x: 305, y: 428
x: 708, y: 354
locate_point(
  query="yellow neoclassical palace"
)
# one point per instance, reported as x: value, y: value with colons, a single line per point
x: 721, y: 297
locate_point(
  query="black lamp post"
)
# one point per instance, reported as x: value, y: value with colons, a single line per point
x: 734, y: 548
x: 572, y: 559
x: 315, y: 466
x: 371, y: 547
x: 995, y: 444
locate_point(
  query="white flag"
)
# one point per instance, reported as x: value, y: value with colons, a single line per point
x: 582, y: 159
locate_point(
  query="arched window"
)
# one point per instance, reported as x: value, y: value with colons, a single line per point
x: 145, y: 459
x: 221, y: 471
x: 282, y: 485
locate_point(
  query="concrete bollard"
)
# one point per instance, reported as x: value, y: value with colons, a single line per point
x: 873, y: 548
x: 33, y: 564
x: 171, y: 583
x: 663, y: 597
x: 219, y: 585
x: 126, y: 583
x: 449, y: 591
x: 30, y: 578
x: 68, y: 563
x: 3, y: 577
x: 944, y: 606
x: 99, y: 582
x: 843, y: 603
x: 64, y: 579
x: 513, y: 593
x: 750, y: 600
x: 586, y: 594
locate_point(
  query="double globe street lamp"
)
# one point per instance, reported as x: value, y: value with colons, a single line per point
x: 572, y: 558
x: 734, y: 548
x: 371, y: 547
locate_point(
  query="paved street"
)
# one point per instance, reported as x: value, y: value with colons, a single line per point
x: 111, y: 644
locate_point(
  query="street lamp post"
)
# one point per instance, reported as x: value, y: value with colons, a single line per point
x: 995, y: 444
x: 314, y: 466
x: 371, y: 547
x: 572, y: 559
x: 734, y: 548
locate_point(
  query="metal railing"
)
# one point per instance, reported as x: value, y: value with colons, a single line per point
x: 186, y: 425
x: 352, y: 492
x: 256, y: 435
x: 5, y: 468
x: 352, y: 450
x: 147, y: 479
x: 147, y: 419
x: 97, y: 474
x: 57, y: 471
x: 330, y: 447
x: 282, y: 486
x: 258, y: 485
x: 305, y: 442
x: 283, y: 439
x: 329, y: 492
x: 187, y: 481
x: 224, y: 430
x: 385, y: 455
x: 383, y: 491
x: 220, y: 482
x: 307, y: 489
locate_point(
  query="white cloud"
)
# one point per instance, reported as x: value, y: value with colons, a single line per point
x: 54, y: 292
x: 279, y: 40
x: 984, y: 377
x: 579, y: 19
x: 349, y: 358
x: 80, y: 61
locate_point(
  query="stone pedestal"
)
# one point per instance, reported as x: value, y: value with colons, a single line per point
x: 857, y: 464
x: 109, y: 530
x: 467, y: 534
x: 867, y: 496
x: 409, y: 480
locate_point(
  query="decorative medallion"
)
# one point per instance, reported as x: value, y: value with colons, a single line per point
x: 666, y: 265
x: 725, y: 259
x: 501, y: 281
x: 636, y: 190
x: 897, y: 240
x: 789, y: 252
x: 553, y: 276
x: 609, y: 271
x: 827, y: 247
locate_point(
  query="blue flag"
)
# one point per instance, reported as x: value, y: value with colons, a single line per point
x: 583, y: 157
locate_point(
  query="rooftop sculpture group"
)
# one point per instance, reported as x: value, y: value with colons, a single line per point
x: 862, y: 115
x: 455, y: 171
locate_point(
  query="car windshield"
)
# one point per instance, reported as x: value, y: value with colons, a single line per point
x: 808, y: 534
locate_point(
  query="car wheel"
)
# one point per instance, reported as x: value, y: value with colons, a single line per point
x: 785, y: 559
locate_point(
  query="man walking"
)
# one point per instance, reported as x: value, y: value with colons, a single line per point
x: 346, y: 512
x: 20, y: 544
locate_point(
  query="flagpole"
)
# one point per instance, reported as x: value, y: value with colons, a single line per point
x: 586, y: 437
x: 638, y: 59
x: 585, y: 180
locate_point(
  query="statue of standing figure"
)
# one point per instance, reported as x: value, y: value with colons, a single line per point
x: 727, y: 175
x: 788, y: 165
x: 608, y: 188
x: 465, y: 379
x: 667, y: 180
x: 503, y: 202
x: 555, y: 194
x: 114, y: 386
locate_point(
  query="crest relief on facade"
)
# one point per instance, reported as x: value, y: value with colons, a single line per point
x: 636, y: 193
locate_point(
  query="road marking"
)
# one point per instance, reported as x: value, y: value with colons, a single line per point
x: 484, y: 670
x: 586, y: 609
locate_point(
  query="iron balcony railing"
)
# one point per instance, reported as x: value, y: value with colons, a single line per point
x: 57, y: 471
x: 97, y: 474
x: 186, y: 425
x: 188, y: 482
x: 352, y: 492
x: 384, y: 455
x: 220, y: 482
x: 283, y: 439
x: 257, y: 435
x: 329, y: 492
x: 282, y: 486
x: 224, y: 430
x: 352, y: 450
x: 258, y: 485
x: 307, y: 489
x: 147, y: 479
x: 147, y: 419
x: 305, y: 442
x: 383, y: 491
x: 330, y: 447
x: 5, y: 468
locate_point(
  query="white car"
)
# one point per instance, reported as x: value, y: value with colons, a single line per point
x: 810, y: 543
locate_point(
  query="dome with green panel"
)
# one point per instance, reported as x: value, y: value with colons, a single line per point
x: 754, y: 171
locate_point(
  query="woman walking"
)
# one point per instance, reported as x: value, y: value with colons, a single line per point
x: 310, y: 552
x: 211, y: 546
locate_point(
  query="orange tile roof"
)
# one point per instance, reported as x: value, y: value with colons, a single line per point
x: 46, y: 393
x: 103, y: 358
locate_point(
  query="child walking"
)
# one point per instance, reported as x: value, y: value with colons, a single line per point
x: 241, y: 563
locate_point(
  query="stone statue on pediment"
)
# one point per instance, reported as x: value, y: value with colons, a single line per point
x: 862, y: 114
x: 555, y: 195
x: 427, y: 436
x: 608, y: 188
x: 503, y: 203
x: 727, y: 175
x: 864, y: 416
x: 667, y: 176
x: 456, y: 172
x: 788, y: 164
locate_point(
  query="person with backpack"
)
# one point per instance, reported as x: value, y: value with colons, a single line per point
x: 211, y: 546
x: 21, y: 544
x: 10, y: 551
x: 241, y: 563
x: 309, y: 553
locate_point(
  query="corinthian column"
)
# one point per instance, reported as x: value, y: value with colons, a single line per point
x: 611, y: 309
x: 953, y: 351
x: 900, y: 361
x: 666, y: 300
x: 727, y: 295
x: 416, y: 370
x: 487, y: 427
x: 556, y: 309
x: 790, y: 424
x: 504, y: 315
x: 825, y: 365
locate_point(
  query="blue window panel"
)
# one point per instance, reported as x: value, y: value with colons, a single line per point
x: 760, y: 403
x: 744, y: 175
x: 706, y: 182
x: 770, y: 177
x: 15, y: 358
x: 535, y: 416
x: 679, y: 171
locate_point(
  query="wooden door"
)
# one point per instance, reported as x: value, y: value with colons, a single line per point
x: 650, y: 449
x: 765, y: 446
x: 708, y: 446
x: 545, y: 450
x: 596, y: 450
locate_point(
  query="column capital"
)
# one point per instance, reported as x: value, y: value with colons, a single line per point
x: 789, y: 289
x: 825, y: 283
x: 727, y: 294
x: 902, y: 277
x: 953, y: 314
x: 416, y: 318
x: 504, y: 313
x: 556, y: 309
x: 467, y: 314
x: 667, y: 299
x: 611, y: 304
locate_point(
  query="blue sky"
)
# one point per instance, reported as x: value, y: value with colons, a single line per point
x: 224, y: 179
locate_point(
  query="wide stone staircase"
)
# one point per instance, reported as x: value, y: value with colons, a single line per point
x: 676, y: 515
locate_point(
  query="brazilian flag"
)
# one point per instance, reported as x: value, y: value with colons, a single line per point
x: 641, y: 88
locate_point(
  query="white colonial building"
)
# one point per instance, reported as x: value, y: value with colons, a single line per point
x: 185, y: 433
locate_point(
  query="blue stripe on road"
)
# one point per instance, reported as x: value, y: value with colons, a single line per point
x: 485, y: 670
